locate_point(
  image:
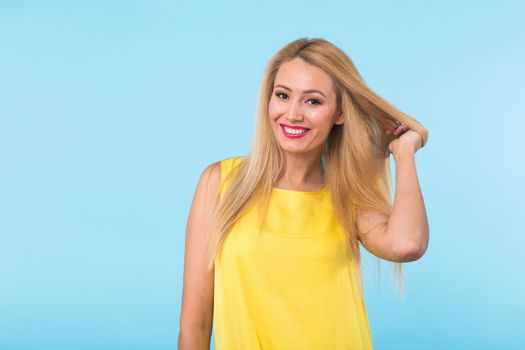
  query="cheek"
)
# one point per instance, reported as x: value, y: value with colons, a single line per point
x: 322, y: 119
x: 274, y: 110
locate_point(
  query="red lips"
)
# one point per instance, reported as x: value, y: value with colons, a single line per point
x: 294, y: 136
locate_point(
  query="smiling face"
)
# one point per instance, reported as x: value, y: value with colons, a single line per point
x: 304, y: 100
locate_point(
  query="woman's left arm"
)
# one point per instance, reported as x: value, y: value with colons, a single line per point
x: 408, y: 224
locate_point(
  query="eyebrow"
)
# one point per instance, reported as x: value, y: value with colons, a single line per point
x: 304, y: 91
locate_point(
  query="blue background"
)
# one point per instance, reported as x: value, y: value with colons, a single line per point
x: 111, y: 110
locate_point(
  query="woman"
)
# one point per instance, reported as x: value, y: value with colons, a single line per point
x: 272, y: 244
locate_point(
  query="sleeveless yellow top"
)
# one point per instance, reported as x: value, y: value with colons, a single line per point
x: 291, y: 285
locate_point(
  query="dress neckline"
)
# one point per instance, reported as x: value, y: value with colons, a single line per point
x: 284, y: 190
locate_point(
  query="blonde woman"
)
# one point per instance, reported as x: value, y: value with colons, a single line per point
x: 272, y: 243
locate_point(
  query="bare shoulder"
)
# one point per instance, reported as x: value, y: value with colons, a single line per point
x: 211, y: 176
x: 210, y: 179
x: 207, y: 192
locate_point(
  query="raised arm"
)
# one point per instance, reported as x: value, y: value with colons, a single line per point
x: 197, y: 295
x: 403, y: 236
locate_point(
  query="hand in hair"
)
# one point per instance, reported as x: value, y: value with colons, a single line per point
x: 407, y: 139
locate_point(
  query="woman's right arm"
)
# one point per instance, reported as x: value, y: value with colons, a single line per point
x: 197, y: 294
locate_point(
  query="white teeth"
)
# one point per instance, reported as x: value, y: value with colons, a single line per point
x: 294, y: 131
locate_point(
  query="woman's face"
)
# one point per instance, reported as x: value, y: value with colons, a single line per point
x: 304, y: 100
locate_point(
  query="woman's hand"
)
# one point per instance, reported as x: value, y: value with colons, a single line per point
x: 407, y: 139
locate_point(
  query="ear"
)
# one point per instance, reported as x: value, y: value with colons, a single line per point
x: 340, y: 119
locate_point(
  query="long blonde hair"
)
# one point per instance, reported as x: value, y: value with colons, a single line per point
x: 355, y: 156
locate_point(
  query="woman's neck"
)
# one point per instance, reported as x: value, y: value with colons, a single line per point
x: 302, y: 173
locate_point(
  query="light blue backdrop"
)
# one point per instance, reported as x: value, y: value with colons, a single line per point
x: 110, y: 110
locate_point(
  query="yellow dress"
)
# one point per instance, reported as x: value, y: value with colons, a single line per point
x: 290, y: 286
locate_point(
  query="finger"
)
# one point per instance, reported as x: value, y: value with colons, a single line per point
x: 401, y: 129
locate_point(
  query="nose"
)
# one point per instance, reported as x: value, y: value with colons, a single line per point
x: 295, y: 112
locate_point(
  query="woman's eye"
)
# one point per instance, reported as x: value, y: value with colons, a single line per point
x: 316, y: 101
